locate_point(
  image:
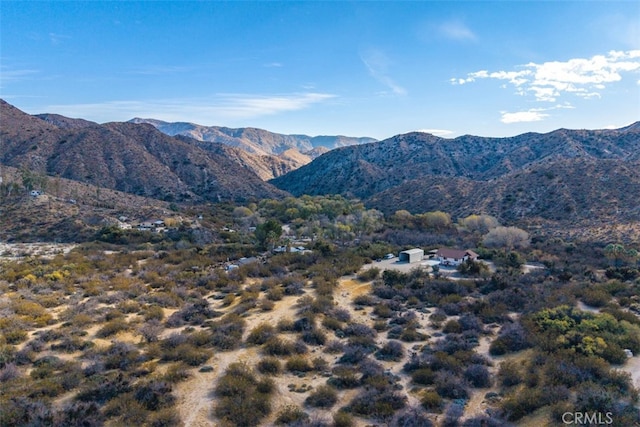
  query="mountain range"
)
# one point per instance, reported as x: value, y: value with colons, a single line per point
x: 293, y: 150
x: 560, y: 175
x: 564, y: 175
x: 133, y: 158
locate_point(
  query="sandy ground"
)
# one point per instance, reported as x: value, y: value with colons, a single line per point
x: 584, y: 307
x: 12, y: 251
x: 195, y: 395
x: 632, y: 366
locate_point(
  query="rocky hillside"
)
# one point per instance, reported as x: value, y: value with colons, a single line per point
x: 133, y: 158
x: 563, y: 174
x: 68, y: 210
x: 295, y: 150
x: 266, y: 166
x: 573, y: 189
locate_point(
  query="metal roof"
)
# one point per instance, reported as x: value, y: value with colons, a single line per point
x: 412, y: 251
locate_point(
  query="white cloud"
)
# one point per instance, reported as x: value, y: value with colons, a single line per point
x: 456, y: 30
x: 203, y: 111
x: 437, y: 132
x: 273, y: 65
x: 582, y: 77
x: 532, y: 115
x: 377, y: 64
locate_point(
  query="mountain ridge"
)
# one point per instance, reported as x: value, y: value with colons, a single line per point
x: 135, y: 158
x: 562, y: 175
x: 254, y: 140
x: 463, y: 173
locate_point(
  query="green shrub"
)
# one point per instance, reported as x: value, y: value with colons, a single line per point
x: 509, y: 374
x: 596, y: 297
x: 452, y: 327
x: 155, y: 395
x: 111, y: 328
x: 269, y: 366
x: 276, y: 346
x: 153, y: 312
x: 167, y: 417
x: 187, y: 353
x: 369, y: 274
x: 291, y: 414
x: 261, y: 334
x: 227, y: 332
x: 323, y: 397
x: 343, y: 419
x: 176, y: 372
x: 298, y: 364
x: 285, y: 325
x: 275, y: 294
x: 424, y: 376
x: 266, y: 304
x: 242, y: 399
x: 228, y: 300
x: 431, y: 401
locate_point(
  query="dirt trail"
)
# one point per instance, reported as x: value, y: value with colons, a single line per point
x: 195, y: 398
x: 632, y: 366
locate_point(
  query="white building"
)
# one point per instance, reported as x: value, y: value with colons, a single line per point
x: 448, y: 256
x: 411, y: 255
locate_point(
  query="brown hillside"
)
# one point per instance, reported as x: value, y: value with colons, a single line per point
x: 570, y: 189
x: 134, y: 158
x: 562, y: 175
x: 68, y: 211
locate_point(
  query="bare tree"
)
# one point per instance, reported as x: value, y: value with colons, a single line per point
x: 506, y: 237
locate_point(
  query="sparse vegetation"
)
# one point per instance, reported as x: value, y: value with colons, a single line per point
x: 141, y: 320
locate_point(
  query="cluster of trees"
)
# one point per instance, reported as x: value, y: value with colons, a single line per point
x: 569, y: 368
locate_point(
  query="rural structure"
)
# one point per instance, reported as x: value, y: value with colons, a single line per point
x: 448, y: 256
x: 411, y: 255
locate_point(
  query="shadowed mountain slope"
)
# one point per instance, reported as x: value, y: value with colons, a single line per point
x: 559, y: 175
x: 134, y: 158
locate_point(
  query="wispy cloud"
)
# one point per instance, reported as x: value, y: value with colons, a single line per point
x: 57, y: 39
x: 156, y: 70
x: 273, y: 65
x: 623, y: 29
x: 456, y: 30
x: 15, y: 75
x: 204, y: 111
x: 243, y: 106
x: 548, y: 81
x: 377, y: 64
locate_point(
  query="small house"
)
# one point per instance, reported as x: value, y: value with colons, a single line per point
x: 448, y: 256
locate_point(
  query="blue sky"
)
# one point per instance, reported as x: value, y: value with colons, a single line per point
x: 325, y: 68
